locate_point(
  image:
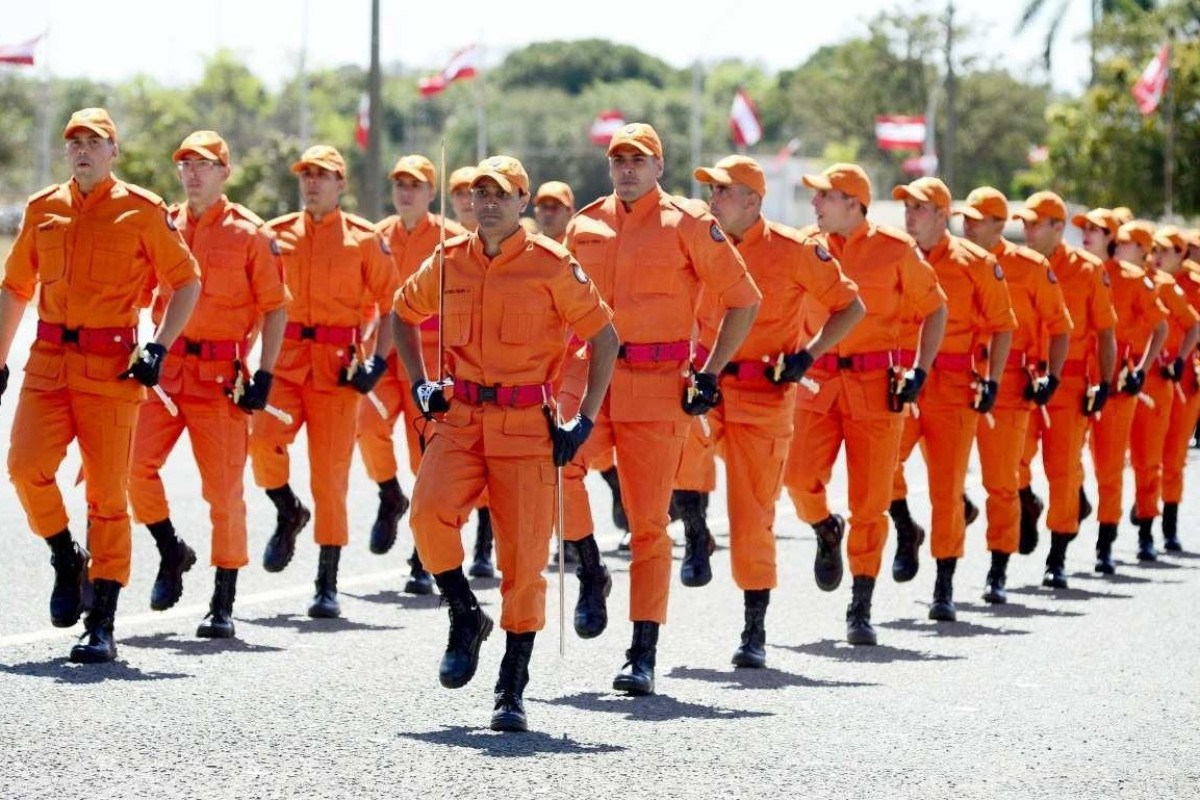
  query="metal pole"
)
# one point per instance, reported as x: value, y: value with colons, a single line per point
x: 948, y: 142
x: 481, y: 132
x: 1169, y: 144
x: 372, y: 172
x: 697, y: 120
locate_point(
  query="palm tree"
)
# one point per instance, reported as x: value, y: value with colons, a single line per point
x: 1100, y: 10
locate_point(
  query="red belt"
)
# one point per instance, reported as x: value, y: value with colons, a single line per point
x: 750, y: 371
x: 513, y: 396
x: 207, y: 351
x: 658, y: 351
x: 859, y: 362
x: 953, y: 362
x: 100, y: 341
x: 430, y: 324
x: 1074, y: 368
x: 906, y: 358
x: 321, y: 334
x: 1016, y: 361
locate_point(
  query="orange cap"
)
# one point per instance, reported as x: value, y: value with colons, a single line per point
x: 416, y: 166
x: 206, y: 144
x: 849, y: 179
x: 925, y: 190
x: 640, y: 137
x: 1122, y: 214
x: 1100, y: 217
x: 985, y: 202
x: 504, y: 170
x: 555, y: 190
x: 95, y: 120
x: 1139, y: 232
x: 323, y: 156
x: 1042, y: 205
x: 1171, y: 236
x: 461, y: 178
x: 735, y: 169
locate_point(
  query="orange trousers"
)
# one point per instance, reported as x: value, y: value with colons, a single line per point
x: 1000, y: 451
x: 218, y: 431
x: 1147, y: 443
x: 946, y: 430
x: 45, y: 422
x: 1184, y: 414
x: 872, y: 442
x: 521, y: 499
x: 1110, y: 444
x: 698, y: 467
x: 330, y: 418
x: 375, y: 433
x: 1062, y: 448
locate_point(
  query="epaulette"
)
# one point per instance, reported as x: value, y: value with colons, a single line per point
x: 145, y: 194
x: 242, y: 212
x: 696, y: 209
x: 361, y: 223
x: 49, y: 190
x: 594, y: 204
x: 1094, y: 260
x: 384, y: 225
x: 1030, y: 254
x: 458, y: 241
x: 789, y: 233
x: 974, y: 249
x: 1133, y: 272
x: 549, y: 245
x: 285, y: 220
x: 897, y: 234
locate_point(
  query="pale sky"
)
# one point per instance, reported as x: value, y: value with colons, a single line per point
x: 116, y: 39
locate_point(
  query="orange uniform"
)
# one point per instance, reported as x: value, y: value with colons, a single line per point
x: 1186, y: 410
x: 698, y: 467
x: 1086, y: 289
x: 505, y: 321
x: 242, y: 279
x: 335, y: 268
x: 1040, y: 311
x: 852, y: 405
x: 92, y: 256
x: 649, y: 262
x: 409, y: 249
x: 978, y: 306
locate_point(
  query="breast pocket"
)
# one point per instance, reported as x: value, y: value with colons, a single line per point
x: 112, y: 259
x: 52, y: 254
x: 659, y: 270
x: 458, y: 308
x: 225, y: 276
x: 344, y: 281
x: 520, y: 321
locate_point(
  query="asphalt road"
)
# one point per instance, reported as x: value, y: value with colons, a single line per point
x: 1088, y: 692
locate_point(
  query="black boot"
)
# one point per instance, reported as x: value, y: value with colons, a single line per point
x: 570, y: 554
x: 100, y: 647
x: 482, y: 567
x: 1146, y: 551
x: 174, y: 559
x: 469, y: 626
x: 591, y: 610
x: 942, y: 607
x: 1031, y: 510
x: 1104, y: 543
x: 858, y: 614
x: 1056, y: 561
x: 1170, y: 528
x: 695, y: 569
x: 626, y: 542
x: 325, y: 604
x: 419, y: 581
x: 637, y: 676
x: 970, y: 510
x: 218, y: 624
x: 290, y: 519
x: 993, y: 589
x: 827, y: 566
x: 620, y: 521
x: 1085, y: 505
x: 509, y: 713
x: 70, y: 562
x: 392, y: 506
x: 752, y: 652
x: 909, y: 537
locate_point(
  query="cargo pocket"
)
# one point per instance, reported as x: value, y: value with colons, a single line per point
x: 112, y: 259
x: 456, y: 326
x: 51, y: 254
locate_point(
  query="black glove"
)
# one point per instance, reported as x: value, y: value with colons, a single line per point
x: 253, y: 395
x: 909, y: 385
x: 1040, y: 390
x: 789, y: 368
x: 3, y: 379
x: 702, y: 394
x: 985, y: 395
x: 1131, y: 381
x: 146, y: 364
x: 1095, y: 398
x: 568, y: 437
x: 363, y: 375
x: 1174, y: 370
x: 430, y: 399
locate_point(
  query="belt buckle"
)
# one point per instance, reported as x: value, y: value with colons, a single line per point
x: 193, y: 348
x: 845, y: 362
x: 487, y: 394
x: 308, y: 332
x: 70, y: 335
x: 656, y: 352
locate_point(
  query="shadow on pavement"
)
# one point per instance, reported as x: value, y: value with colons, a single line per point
x: 62, y: 671
x: 307, y: 624
x: 1015, y: 610
x: 954, y: 630
x: 392, y: 597
x: 1159, y: 564
x: 651, y: 708
x: 768, y: 678
x: 197, y: 647
x: 1186, y: 555
x: 1118, y: 578
x: 1068, y: 594
x: 879, y: 654
x: 511, y: 745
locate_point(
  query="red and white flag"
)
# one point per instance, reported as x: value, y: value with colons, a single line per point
x: 605, y: 125
x: 19, y: 53
x: 899, y: 133
x: 1148, y: 90
x: 462, y: 65
x: 743, y: 120
x: 362, y: 123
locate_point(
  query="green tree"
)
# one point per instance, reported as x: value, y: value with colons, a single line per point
x: 1100, y: 10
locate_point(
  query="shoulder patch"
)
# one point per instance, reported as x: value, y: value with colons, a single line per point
x: 276, y: 250
x: 821, y: 252
x: 998, y: 271
x: 1050, y: 276
x: 170, y: 221
x: 383, y: 244
x: 578, y: 272
x: 1104, y: 277
x: 144, y: 194
x: 714, y: 230
x: 244, y: 213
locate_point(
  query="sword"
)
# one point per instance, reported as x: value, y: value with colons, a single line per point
x: 167, y: 402
x: 554, y: 418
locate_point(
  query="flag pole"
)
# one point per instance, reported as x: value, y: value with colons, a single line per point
x: 1169, y: 144
x: 697, y: 99
x: 481, y: 132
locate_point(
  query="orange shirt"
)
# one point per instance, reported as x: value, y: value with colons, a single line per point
x: 93, y: 255
x: 1180, y: 313
x: 976, y: 294
x: 1037, y: 298
x: 1087, y: 289
x: 506, y: 319
x: 1138, y: 310
x: 336, y: 269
